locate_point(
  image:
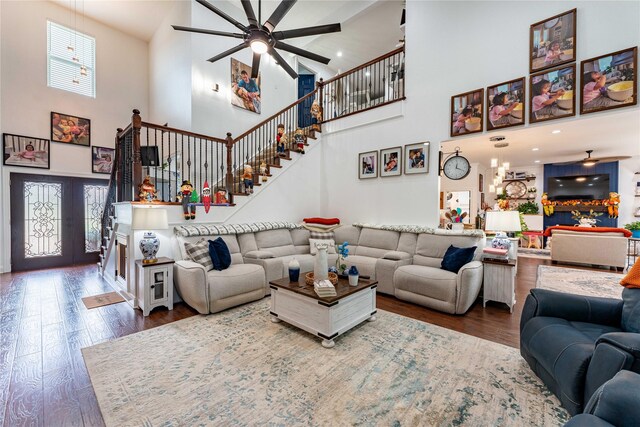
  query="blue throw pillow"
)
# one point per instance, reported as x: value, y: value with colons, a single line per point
x: 455, y: 258
x: 631, y: 310
x: 215, y: 259
x: 221, y: 249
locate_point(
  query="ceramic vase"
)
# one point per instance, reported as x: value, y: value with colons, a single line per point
x: 149, y: 245
x: 294, y: 270
x: 501, y: 241
x: 320, y: 265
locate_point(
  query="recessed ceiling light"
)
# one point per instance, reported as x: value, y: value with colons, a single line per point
x: 556, y: 131
x: 536, y: 161
x: 535, y: 149
x: 339, y: 53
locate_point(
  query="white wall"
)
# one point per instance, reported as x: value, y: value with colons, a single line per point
x: 26, y: 104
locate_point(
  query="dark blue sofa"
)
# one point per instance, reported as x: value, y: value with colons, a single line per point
x: 615, y: 404
x: 575, y: 343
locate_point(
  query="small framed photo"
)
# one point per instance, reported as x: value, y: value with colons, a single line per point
x: 552, y: 94
x: 26, y: 151
x: 416, y: 158
x: 609, y: 81
x: 466, y: 112
x: 553, y: 41
x: 506, y: 104
x: 102, y: 159
x: 391, y: 162
x: 368, y: 165
x: 70, y: 129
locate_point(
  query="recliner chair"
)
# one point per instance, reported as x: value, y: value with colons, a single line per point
x: 576, y: 343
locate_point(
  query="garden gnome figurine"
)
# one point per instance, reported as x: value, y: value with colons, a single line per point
x: 247, y: 179
x: 281, y: 140
x: 316, y: 115
x: 298, y: 138
x: 206, y: 196
x: 263, y: 171
x: 185, y: 194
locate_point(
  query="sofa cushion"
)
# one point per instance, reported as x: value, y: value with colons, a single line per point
x: 375, y: 243
x: 593, y: 330
x: 432, y: 282
x: 365, y: 265
x: 348, y: 233
x: 247, y: 242
x: 277, y: 241
x: 300, y: 238
x: 455, y: 258
x: 235, y: 280
x: 407, y: 243
x: 306, y: 263
x: 259, y: 255
x: 436, y: 245
x: 631, y: 310
x: 221, y: 250
x: 199, y: 252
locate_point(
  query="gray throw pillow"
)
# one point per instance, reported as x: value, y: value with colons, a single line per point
x: 631, y: 310
x: 199, y: 252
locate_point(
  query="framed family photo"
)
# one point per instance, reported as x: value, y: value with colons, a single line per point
x: 102, y: 159
x: 609, y: 81
x: 391, y: 162
x: 466, y: 113
x: 506, y: 104
x: 70, y: 129
x: 245, y: 90
x: 553, y: 41
x: 416, y: 158
x: 368, y: 165
x: 26, y: 151
x: 552, y: 94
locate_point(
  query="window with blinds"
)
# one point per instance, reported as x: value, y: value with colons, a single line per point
x: 71, y: 58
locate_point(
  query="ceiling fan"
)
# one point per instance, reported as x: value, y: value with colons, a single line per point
x: 590, y: 161
x: 261, y: 38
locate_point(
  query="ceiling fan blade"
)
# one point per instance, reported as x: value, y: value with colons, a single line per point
x: 278, y: 14
x: 222, y: 15
x: 204, y: 31
x: 251, y: 15
x: 284, y: 64
x: 228, y: 52
x: 302, y: 52
x: 610, y: 159
x: 255, y: 65
x: 572, y: 162
x: 308, y: 31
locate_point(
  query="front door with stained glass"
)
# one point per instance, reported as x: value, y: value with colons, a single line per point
x: 55, y: 221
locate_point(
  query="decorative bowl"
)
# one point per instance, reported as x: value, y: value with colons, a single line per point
x: 620, y: 91
x: 473, y: 124
x: 308, y: 278
x: 566, y: 101
x: 517, y: 111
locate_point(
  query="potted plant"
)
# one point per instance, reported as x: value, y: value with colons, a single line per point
x: 529, y: 208
x: 634, y: 227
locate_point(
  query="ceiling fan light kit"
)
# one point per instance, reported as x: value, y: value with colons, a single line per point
x: 262, y: 38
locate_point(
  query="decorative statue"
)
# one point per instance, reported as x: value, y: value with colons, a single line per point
x: 612, y: 204
x: 185, y: 197
x: 299, y: 139
x: 281, y: 140
x: 247, y: 179
x: 316, y: 115
x: 147, y: 191
x: 221, y: 196
x: 547, y: 205
x: 206, y: 196
x: 263, y: 171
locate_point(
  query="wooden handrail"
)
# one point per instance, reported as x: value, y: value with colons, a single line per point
x: 183, y: 132
x: 365, y: 65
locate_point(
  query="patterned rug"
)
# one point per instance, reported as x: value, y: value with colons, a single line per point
x: 581, y: 282
x: 534, y: 253
x: 239, y: 368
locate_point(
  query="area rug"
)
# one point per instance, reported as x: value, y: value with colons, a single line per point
x: 239, y: 368
x: 581, y: 282
x: 101, y: 300
x: 534, y: 253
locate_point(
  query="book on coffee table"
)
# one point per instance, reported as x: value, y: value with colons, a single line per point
x: 324, y: 288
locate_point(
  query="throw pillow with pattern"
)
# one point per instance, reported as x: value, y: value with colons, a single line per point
x: 199, y: 252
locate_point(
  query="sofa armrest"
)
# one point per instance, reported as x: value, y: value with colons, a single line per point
x: 575, y: 308
x: 397, y: 256
x: 615, y: 401
x: 259, y: 255
x: 627, y: 341
x: 190, y: 280
x: 468, y: 284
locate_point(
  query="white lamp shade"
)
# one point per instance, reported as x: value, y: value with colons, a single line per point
x: 502, y: 221
x: 149, y: 219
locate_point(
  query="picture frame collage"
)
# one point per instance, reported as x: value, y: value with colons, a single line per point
x: 604, y: 82
x: 412, y: 159
x: 34, y: 152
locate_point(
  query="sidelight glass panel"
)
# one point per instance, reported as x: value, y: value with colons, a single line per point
x: 42, y: 219
x: 95, y: 197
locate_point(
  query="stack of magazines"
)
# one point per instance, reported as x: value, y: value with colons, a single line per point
x: 324, y: 289
x: 495, y: 254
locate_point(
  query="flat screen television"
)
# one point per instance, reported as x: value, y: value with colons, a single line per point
x: 581, y: 187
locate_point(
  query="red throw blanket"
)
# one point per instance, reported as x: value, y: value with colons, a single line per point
x: 624, y: 231
x: 323, y: 221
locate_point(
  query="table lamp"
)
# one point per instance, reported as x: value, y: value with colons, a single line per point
x: 149, y: 219
x: 502, y: 222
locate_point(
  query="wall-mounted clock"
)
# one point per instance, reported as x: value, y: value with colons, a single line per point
x: 516, y: 189
x: 456, y: 167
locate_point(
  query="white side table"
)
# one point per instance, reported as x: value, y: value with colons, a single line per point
x: 154, y: 284
x: 499, y: 282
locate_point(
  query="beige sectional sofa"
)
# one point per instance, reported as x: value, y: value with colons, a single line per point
x: 405, y: 260
x: 609, y: 249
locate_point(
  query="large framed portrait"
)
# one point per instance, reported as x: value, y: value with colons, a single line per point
x: 102, y: 159
x: 552, y: 94
x: 391, y: 162
x: 609, y: 81
x: 26, y: 151
x: 466, y: 112
x: 70, y: 129
x: 553, y: 41
x: 245, y: 91
x: 368, y: 165
x: 506, y: 104
x: 416, y: 158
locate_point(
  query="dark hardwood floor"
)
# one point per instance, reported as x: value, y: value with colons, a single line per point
x: 44, y: 325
